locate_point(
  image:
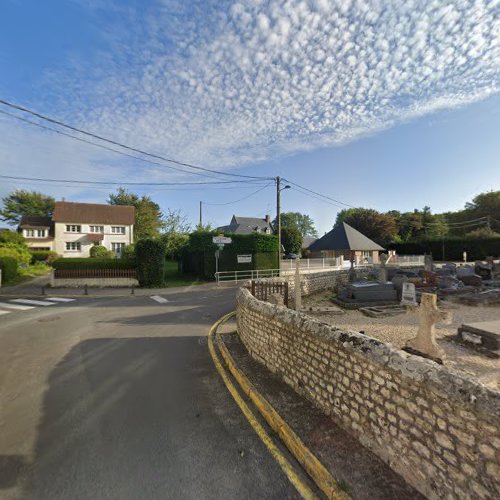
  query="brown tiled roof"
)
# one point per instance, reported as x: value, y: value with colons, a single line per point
x: 91, y: 213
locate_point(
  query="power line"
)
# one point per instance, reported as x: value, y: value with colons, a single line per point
x: 318, y: 194
x: 60, y: 132
x: 317, y: 198
x: 116, y: 143
x: 241, y: 199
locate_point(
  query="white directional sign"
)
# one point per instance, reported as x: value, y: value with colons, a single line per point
x: 221, y: 240
x: 244, y: 259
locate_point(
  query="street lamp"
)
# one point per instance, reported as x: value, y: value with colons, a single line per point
x: 278, y: 216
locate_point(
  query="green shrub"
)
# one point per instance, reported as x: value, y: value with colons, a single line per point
x: 129, y: 253
x: 47, y: 256
x: 8, y: 236
x: 9, y: 266
x: 201, y: 241
x: 150, y: 260
x: 86, y: 263
x: 18, y: 252
x: 100, y: 252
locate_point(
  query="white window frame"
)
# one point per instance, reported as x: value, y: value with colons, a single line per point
x: 118, y: 230
x: 73, y: 228
x: 96, y: 229
x: 29, y: 233
x: 117, y: 247
x: 73, y: 246
x: 41, y: 233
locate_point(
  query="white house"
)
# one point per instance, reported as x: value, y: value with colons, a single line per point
x: 75, y: 227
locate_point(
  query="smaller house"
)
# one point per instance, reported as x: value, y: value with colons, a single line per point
x: 38, y: 232
x: 346, y: 242
x: 248, y: 225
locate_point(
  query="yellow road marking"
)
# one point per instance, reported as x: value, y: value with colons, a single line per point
x: 285, y: 465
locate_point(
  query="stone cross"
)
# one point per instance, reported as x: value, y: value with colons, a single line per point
x: 298, y: 291
x: 424, y: 343
x: 383, y: 268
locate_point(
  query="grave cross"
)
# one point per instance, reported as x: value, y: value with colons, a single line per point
x: 424, y: 344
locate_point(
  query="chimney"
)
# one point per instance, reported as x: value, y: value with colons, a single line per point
x: 268, y: 219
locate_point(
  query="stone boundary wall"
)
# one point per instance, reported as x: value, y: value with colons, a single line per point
x: 94, y: 282
x: 438, y: 429
x: 315, y: 282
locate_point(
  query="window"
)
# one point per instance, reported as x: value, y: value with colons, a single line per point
x: 29, y: 233
x: 97, y: 229
x: 35, y: 233
x: 75, y: 246
x: 73, y: 229
x: 41, y: 233
x: 117, y: 248
x: 118, y: 229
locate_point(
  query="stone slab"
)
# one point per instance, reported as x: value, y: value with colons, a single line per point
x: 382, y: 311
x: 483, y: 334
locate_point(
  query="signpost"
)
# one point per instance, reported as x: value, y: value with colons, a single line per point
x: 220, y: 241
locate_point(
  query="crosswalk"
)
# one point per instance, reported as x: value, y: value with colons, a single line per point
x: 16, y: 305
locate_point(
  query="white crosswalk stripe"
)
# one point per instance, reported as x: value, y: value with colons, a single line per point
x: 17, y: 307
x: 34, y: 302
x: 161, y: 300
x: 5, y: 312
x: 60, y: 299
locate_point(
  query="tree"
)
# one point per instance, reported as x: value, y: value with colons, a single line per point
x: 21, y: 202
x: 8, y: 236
x: 485, y: 204
x: 302, y: 222
x: 176, y: 222
x: 374, y: 225
x: 175, y: 237
x: 148, y: 215
x: 291, y: 239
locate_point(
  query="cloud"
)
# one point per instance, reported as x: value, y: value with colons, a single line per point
x: 224, y: 84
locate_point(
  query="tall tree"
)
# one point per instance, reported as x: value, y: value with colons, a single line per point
x: 148, y: 215
x: 302, y: 222
x: 291, y: 239
x: 22, y: 202
x: 375, y: 225
x: 175, y: 236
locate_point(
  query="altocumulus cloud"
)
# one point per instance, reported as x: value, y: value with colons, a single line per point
x: 227, y: 83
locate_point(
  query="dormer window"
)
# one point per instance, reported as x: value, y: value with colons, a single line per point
x: 35, y: 233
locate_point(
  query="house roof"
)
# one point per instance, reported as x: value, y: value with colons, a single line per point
x: 35, y: 221
x: 344, y: 237
x: 92, y: 213
x: 246, y: 225
x: 307, y: 242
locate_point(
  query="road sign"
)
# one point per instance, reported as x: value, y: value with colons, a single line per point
x: 221, y: 240
x: 244, y: 259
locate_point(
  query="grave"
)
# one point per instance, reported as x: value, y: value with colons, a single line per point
x: 483, y: 336
x: 382, y: 311
x: 361, y: 294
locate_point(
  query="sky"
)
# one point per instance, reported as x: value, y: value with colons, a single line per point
x: 381, y: 104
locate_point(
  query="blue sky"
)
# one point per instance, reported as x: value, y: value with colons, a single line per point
x: 382, y: 104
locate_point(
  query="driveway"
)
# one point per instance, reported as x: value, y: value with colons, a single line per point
x: 118, y: 398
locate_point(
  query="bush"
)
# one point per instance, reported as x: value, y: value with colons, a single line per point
x: 129, y: 253
x: 86, y: 263
x: 291, y: 239
x: 17, y: 252
x: 8, y: 265
x: 100, y: 252
x: 8, y: 236
x: 201, y: 241
x: 47, y: 256
x: 150, y: 260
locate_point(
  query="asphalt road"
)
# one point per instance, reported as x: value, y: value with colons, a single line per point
x: 118, y: 398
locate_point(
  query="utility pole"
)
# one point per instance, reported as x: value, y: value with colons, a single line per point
x: 201, y: 220
x: 278, y: 219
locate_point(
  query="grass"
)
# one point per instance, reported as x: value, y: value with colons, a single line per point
x: 174, y: 278
x: 27, y: 273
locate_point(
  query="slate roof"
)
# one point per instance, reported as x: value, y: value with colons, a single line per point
x: 35, y: 221
x: 92, y: 213
x: 307, y: 242
x: 246, y: 225
x: 344, y: 237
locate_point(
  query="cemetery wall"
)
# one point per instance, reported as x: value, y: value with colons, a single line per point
x: 438, y: 429
x: 315, y: 282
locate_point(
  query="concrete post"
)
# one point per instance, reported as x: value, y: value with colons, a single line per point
x: 298, y: 291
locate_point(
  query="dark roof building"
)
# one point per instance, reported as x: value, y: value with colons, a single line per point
x: 92, y: 213
x: 35, y: 222
x: 247, y: 225
x: 343, y: 238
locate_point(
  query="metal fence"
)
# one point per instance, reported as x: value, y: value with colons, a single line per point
x: 407, y: 260
x: 94, y: 273
x: 262, y: 290
x: 235, y: 276
x: 326, y: 263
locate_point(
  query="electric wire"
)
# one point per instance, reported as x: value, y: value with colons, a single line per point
x: 236, y: 201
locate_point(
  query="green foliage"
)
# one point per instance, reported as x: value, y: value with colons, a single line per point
x: 22, y: 202
x: 9, y: 267
x: 302, y: 222
x: 8, y: 236
x: 241, y: 243
x: 150, y: 259
x: 100, y: 252
x: 174, y: 243
x: 148, y: 216
x: 374, y: 225
x: 482, y: 232
x: 86, y: 263
x: 47, y: 256
x: 176, y: 222
x: 18, y: 252
x: 291, y: 239
x: 129, y: 253
x: 476, y: 248
x: 485, y: 204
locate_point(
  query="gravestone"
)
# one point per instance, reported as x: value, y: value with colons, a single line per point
x: 383, y: 268
x: 428, y: 262
x: 424, y: 344
x: 408, y: 295
x: 397, y: 282
x: 484, y: 336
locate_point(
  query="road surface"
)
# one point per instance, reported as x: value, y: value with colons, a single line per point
x: 118, y: 398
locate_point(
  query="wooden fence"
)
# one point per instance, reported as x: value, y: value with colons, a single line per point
x: 94, y: 273
x: 261, y: 290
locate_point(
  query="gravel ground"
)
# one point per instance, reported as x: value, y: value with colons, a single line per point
x: 397, y: 330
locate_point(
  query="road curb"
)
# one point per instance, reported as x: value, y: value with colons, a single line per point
x: 316, y: 470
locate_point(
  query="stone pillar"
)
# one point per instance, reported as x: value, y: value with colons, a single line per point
x: 428, y: 262
x: 297, y: 290
x: 424, y: 344
x: 383, y: 269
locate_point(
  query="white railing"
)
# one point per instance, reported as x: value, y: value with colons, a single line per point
x: 249, y: 274
x: 325, y: 263
x: 407, y: 260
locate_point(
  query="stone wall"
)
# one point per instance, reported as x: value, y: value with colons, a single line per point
x: 94, y: 282
x: 438, y: 429
x: 315, y: 282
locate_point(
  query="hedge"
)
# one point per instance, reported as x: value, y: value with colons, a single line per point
x: 88, y: 263
x: 150, y: 258
x: 241, y: 243
x: 476, y: 248
x: 43, y: 256
x: 8, y: 265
